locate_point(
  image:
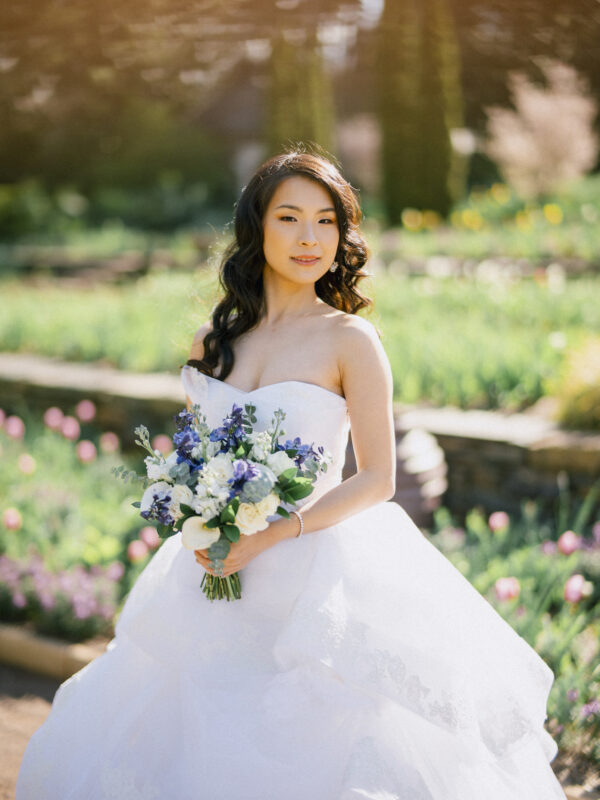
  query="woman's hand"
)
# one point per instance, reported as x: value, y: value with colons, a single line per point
x: 240, y: 554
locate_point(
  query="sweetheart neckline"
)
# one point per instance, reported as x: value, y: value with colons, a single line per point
x: 267, y: 385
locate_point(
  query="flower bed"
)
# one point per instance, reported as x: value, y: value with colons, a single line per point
x: 71, y: 544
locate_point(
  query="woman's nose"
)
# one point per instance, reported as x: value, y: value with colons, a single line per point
x: 307, y: 236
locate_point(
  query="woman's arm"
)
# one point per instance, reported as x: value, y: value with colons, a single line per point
x: 367, y: 383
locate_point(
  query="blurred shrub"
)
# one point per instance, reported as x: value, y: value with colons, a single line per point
x: 549, y: 137
x: 578, y: 389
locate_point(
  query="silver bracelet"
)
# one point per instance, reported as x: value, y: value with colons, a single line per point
x: 301, y: 531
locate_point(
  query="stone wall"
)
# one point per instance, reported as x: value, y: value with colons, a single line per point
x: 497, y: 460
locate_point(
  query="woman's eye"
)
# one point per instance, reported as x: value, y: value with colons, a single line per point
x: 326, y: 219
x: 286, y: 218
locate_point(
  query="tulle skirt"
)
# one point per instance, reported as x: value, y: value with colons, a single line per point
x: 359, y: 663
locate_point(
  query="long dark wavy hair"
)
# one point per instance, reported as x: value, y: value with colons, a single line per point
x: 241, y: 272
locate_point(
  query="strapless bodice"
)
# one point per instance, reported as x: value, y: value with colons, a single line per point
x: 313, y: 413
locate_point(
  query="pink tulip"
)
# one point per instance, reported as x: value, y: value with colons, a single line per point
x: 11, y: 519
x: 85, y: 410
x: 568, y: 542
x: 109, y: 442
x: 14, y: 427
x: 86, y: 451
x: 149, y: 536
x: 498, y: 521
x: 548, y: 547
x: 163, y: 443
x: 69, y: 428
x: 115, y: 571
x: 53, y: 418
x: 137, y: 550
x: 577, y: 587
x: 507, y: 588
x: 26, y: 464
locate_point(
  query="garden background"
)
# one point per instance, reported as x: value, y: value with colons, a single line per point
x: 470, y: 129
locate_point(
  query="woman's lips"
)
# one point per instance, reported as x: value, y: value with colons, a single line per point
x: 305, y: 261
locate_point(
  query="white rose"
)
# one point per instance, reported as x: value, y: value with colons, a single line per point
x: 269, y: 505
x: 196, y: 536
x: 252, y: 517
x: 180, y: 494
x: 219, y: 469
x: 279, y: 462
x: 162, y: 489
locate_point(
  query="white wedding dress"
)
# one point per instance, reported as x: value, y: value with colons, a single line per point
x: 359, y: 664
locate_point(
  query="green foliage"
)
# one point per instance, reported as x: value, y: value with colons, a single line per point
x: 475, y: 344
x: 472, y: 344
x: 578, y: 387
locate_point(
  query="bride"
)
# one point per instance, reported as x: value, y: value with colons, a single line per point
x: 359, y: 663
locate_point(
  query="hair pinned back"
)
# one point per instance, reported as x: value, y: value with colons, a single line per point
x: 241, y: 273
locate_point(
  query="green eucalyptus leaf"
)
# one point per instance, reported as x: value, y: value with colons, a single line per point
x: 282, y: 512
x: 232, y: 532
x: 219, y: 549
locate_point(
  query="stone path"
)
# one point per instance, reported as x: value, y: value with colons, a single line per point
x: 25, y: 701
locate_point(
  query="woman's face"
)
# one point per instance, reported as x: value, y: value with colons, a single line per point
x: 300, y: 230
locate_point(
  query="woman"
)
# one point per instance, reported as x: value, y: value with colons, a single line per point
x: 359, y: 663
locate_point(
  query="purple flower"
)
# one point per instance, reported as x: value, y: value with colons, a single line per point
x: 185, y: 441
x: 115, y: 571
x: 572, y: 695
x: 19, y: 599
x: 593, y: 707
x: 300, y: 451
x: 159, y: 509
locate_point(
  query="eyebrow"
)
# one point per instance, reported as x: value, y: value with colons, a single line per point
x: 297, y: 208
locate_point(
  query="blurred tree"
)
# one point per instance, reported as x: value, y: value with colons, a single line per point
x: 300, y: 94
x: 548, y: 138
x: 420, y: 102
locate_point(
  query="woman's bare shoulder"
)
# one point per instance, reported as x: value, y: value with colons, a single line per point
x: 354, y: 330
x: 359, y: 350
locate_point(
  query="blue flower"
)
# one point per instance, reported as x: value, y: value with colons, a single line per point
x: 231, y: 433
x: 159, y: 510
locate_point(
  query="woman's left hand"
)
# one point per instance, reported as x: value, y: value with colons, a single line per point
x: 240, y: 554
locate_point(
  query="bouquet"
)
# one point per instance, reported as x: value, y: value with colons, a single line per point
x: 220, y: 483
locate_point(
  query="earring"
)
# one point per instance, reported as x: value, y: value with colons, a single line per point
x: 333, y: 267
